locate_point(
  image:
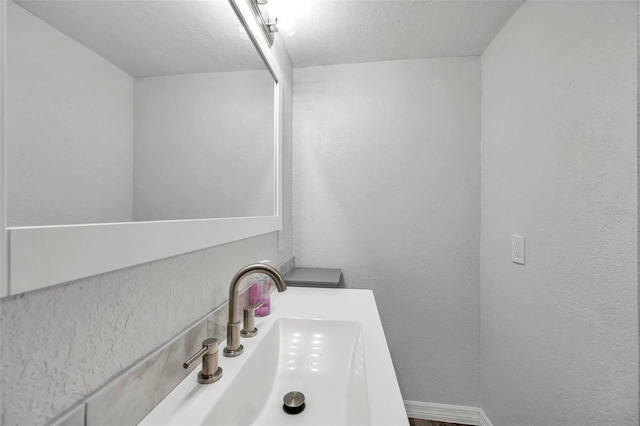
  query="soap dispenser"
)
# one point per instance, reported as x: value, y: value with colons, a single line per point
x: 261, y: 292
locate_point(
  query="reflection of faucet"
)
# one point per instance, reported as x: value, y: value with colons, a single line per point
x: 234, y: 348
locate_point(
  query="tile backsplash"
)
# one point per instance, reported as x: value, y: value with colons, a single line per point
x: 128, y: 397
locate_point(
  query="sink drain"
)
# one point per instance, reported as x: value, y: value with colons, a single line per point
x: 293, y: 403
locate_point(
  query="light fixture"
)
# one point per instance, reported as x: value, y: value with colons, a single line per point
x: 289, y: 12
x: 267, y: 25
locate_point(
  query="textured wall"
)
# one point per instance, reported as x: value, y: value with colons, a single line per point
x: 559, y: 339
x: 386, y: 187
x: 218, y: 119
x: 93, y: 328
x: 70, y: 158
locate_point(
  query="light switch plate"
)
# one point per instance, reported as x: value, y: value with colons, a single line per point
x: 517, y: 249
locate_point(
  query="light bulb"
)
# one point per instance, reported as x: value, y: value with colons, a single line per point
x: 288, y: 13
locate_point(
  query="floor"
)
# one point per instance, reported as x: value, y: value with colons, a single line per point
x: 420, y: 422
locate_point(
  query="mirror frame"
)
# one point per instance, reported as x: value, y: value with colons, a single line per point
x: 36, y: 257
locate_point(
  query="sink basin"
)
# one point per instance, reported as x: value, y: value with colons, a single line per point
x: 322, y: 359
x: 326, y: 343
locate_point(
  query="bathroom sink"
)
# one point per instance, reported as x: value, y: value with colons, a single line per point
x: 322, y: 359
x: 326, y: 343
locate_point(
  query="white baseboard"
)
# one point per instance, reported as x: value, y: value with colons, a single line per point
x: 447, y: 413
x: 484, y: 420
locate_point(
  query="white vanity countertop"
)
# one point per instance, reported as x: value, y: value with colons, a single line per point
x: 189, y: 401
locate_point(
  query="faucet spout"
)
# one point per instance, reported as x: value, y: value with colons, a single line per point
x: 234, y: 348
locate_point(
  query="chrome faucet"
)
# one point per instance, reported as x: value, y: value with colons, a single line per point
x: 234, y: 348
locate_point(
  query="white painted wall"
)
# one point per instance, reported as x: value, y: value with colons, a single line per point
x: 203, y: 146
x: 386, y: 186
x: 559, y: 336
x: 4, y: 252
x: 70, y: 158
x: 121, y: 316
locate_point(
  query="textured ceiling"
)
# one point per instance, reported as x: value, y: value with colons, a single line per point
x: 340, y: 31
x: 150, y: 38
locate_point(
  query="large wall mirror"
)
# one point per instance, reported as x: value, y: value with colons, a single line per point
x: 129, y: 110
x: 134, y: 112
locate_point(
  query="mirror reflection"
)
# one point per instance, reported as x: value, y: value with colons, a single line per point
x: 140, y: 110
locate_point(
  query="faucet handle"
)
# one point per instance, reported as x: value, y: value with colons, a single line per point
x: 210, y: 372
x: 253, y: 308
x: 250, y: 329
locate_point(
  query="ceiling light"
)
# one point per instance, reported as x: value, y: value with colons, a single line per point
x: 288, y: 13
x: 267, y: 25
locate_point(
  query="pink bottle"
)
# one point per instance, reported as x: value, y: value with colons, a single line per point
x: 260, y: 292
